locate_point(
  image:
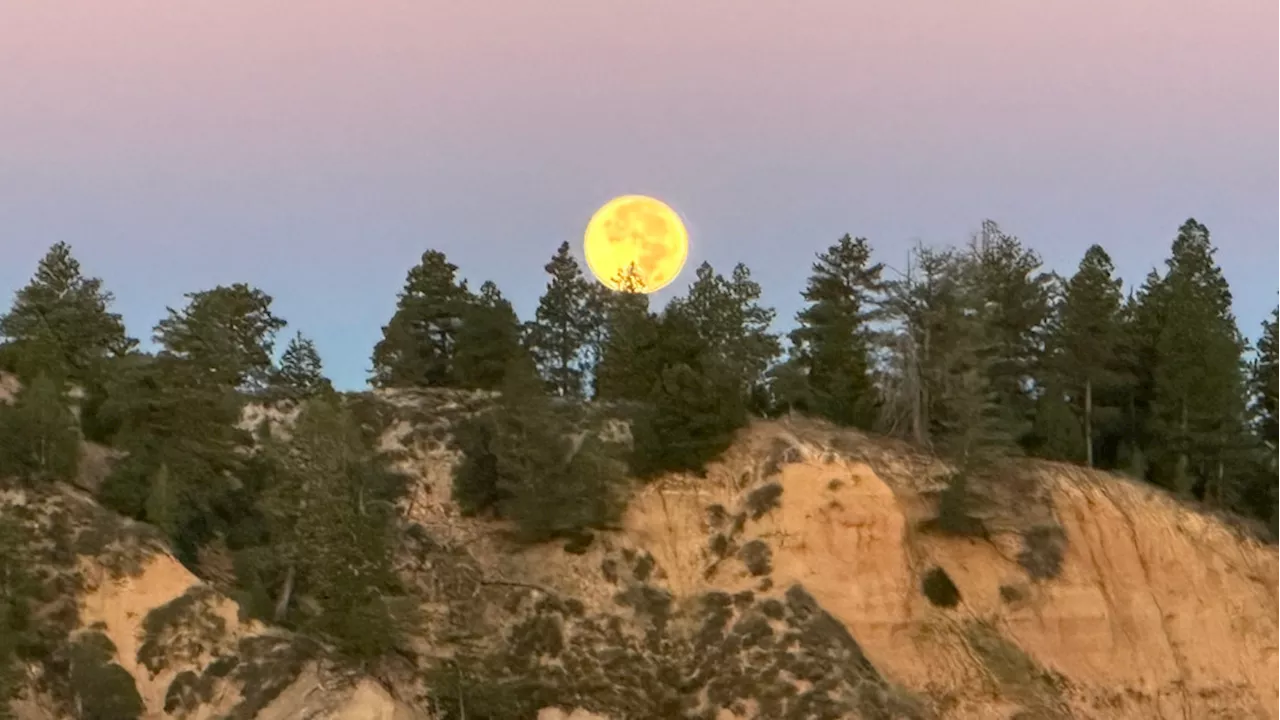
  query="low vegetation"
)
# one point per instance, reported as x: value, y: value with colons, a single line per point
x: 939, y: 588
x: 1042, y: 549
x: 103, y: 689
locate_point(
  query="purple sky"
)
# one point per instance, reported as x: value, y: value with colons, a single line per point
x: 316, y: 149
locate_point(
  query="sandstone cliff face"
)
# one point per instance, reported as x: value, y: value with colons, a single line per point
x: 1154, y: 610
x: 788, y: 583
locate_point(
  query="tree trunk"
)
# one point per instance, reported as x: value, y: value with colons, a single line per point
x: 1088, y: 423
x: 923, y: 360
x: 1217, y: 485
x: 1180, y: 480
x: 282, y: 604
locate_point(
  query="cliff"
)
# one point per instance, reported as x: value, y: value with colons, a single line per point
x: 803, y: 577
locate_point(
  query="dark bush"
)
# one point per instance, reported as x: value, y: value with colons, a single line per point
x: 764, y: 499
x: 104, y: 689
x: 1041, y: 554
x: 939, y: 588
x: 955, y: 509
x: 757, y: 556
x: 1011, y: 593
x: 521, y: 461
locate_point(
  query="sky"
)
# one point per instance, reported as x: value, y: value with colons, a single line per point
x: 317, y: 149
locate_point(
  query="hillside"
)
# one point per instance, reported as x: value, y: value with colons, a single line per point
x: 801, y: 578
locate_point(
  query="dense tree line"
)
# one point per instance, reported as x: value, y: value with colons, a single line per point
x: 974, y: 352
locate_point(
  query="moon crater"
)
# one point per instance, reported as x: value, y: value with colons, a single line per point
x: 640, y: 235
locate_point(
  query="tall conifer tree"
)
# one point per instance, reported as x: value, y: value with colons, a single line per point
x: 832, y: 343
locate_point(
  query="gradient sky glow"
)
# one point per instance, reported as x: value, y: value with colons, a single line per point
x: 317, y: 149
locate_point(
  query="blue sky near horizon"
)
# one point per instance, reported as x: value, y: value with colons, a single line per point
x: 318, y: 154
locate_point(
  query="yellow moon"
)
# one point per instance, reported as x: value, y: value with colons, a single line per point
x: 638, y: 236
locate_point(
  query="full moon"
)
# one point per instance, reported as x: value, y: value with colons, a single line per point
x: 636, y: 235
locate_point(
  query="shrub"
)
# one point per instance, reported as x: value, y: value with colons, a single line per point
x: 764, y: 499
x: 757, y: 556
x: 1011, y: 593
x: 1041, y: 554
x: 180, y: 629
x: 103, y: 689
x: 955, y: 509
x: 939, y: 588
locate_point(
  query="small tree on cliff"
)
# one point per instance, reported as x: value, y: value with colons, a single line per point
x: 563, y: 325
x: 832, y: 342
x: 301, y: 373
x: 522, y: 462
x: 61, y: 325
x: 39, y: 439
x: 417, y: 345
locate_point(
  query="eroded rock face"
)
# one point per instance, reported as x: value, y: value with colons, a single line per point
x: 141, y: 636
x: 1086, y: 596
x: 791, y: 582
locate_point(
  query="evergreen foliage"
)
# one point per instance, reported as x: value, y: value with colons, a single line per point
x: 564, y: 325
x: 521, y: 461
x: 227, y: 332
x: 833, y: 341
x: 1193, y: 369
x: 1011, y: 298
x: 301, y: 373
x: 694, y: 404
x: 417, y: 345
x: 179, y: 428
x: 487, y: 342
x: 41, y: 442
x: 328, y: 512
x: 726, y: 314
x: 60, y: 323
x: 1084, y: 362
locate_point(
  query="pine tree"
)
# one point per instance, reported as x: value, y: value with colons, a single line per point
x: 968, y: 423
x: 599, y: 300
x: 417, y: 345
x: 1012, y: 297
x: 163, y: 505
x: 521, y: 461
x: 487, y: 341
x: 1263, y: 378
x: 833, y: 340
x: 727, y: 315
x: 1196, y: 379
x: 19, y: 587
x: 173, y: 413
x: 1258, y: 494
x: 694, y: 404
x: 228, y: 332
x: 60, y: 323
x: 301, y: 373
x: 787, y: 388
x: 626, y: 368
x: 333, y: 540
x: 563, y: 325
x: 1086, y: 342
x: 40, y: 439
x: 938, y: 355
